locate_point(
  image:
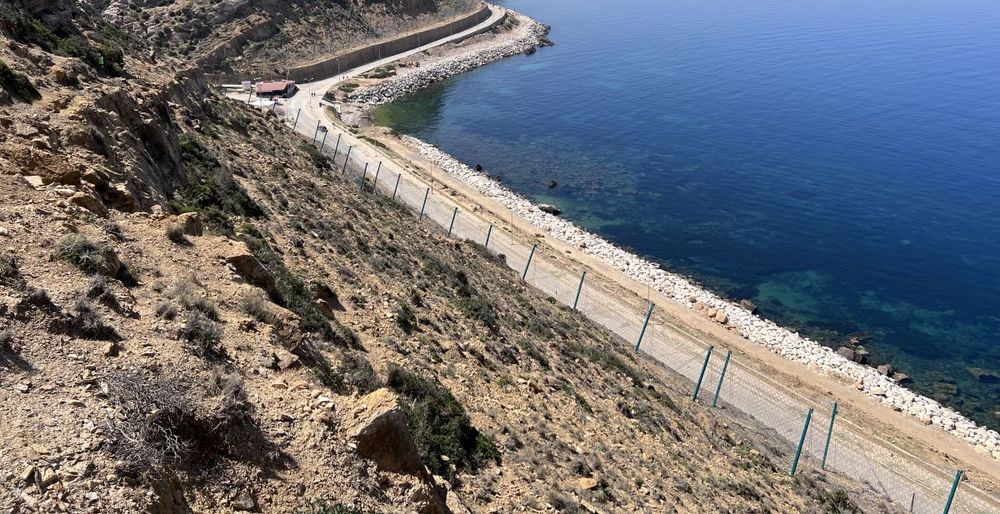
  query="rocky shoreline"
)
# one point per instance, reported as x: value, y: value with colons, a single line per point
x: 524, y: 37
x: 752, y: 327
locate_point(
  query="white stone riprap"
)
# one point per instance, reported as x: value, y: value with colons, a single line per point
x: 525, y: 36
x: 754, y: 328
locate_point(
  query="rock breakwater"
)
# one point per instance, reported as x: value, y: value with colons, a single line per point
x: 759, y: 330
x: 525, y: 36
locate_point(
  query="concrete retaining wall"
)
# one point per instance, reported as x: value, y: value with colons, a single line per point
x: 362, y: 56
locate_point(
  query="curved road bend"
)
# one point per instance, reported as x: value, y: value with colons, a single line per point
x: 311, y: 93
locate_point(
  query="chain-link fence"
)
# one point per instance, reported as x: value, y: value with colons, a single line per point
x: 905, y: 479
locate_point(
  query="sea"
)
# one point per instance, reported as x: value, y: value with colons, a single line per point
x: 835, y: 162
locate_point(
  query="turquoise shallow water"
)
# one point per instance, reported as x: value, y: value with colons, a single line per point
x: 836, y: 162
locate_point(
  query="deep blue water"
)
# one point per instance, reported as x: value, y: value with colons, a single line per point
x: 838, y: 162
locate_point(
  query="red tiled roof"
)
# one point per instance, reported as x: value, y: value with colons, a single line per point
x: 273, y: 87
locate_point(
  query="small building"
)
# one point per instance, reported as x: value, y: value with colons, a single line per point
x: 281, y: 88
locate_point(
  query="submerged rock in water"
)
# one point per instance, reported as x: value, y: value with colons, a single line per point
x: 986, y: 376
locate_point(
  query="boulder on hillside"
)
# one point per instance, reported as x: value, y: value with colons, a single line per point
x: 846, y: 352
x: 886, y: 369
x: 191, y: 223
x: 377, y: 425
x: 248, y: 267
x: 89, y: 202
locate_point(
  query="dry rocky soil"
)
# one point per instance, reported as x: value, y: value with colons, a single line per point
x: 197, y: 314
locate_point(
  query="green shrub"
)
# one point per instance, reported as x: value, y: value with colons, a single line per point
x: 405, y: 319
x: 83, y: 253
x: 107, y: 58
x: 318, y: 158
x: 293, y: 291
x: 480, y: 310
x: 17, y: 84
x: 355, y: 375
x: 440, y: 426
x: 349, y: 87
x: 212, y: 191
x: 10, y: 270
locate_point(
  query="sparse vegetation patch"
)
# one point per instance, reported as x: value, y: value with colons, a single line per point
x: 17, y: 84
x: 440, y: 426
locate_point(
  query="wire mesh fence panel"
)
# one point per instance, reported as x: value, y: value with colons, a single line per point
x: 549, y: 276
x: 469, y: 227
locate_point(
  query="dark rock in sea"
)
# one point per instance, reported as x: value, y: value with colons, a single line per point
x: 479, y: 167
x: 985, y: 376
x: 885, y: 369
x: 553, y: 184
x: 846, y: 353
x: 551, y: 209
x: 902, y: 378
x: 749, y: 306
x: 945, y: 389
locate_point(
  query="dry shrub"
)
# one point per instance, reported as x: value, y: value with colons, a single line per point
x: 258, y: 308
x: 151, y: 419
x: 188, y: 293
x: 163, y: 422
x: 175, y: 233
x: 203, y: 333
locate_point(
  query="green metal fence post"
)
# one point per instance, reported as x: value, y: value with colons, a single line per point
x: 913, y: 498
x: 802, y: 441
x: 315, y: 133
x: 579, y: 289
x: 296, y: 124
x: 829, y: 435
x: 718, y: 388
x: 424, y: 205
x: 375, y: 182
x: 704, y: 366
x: 396, y: 187
x: 323, y: 144
x: 347, y: 159
x: 954, y: 487
x: 489, y: 233
x: 364, y: 176
x: 454, y: 215
x: 649, y: 314
x: 530, y: 256
x: 337, y: 148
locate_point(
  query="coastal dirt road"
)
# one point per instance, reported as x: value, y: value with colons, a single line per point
x: 677, y: 338
x: 311, y: 93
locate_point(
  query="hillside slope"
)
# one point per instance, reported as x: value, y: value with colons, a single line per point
x: 293, y: 344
